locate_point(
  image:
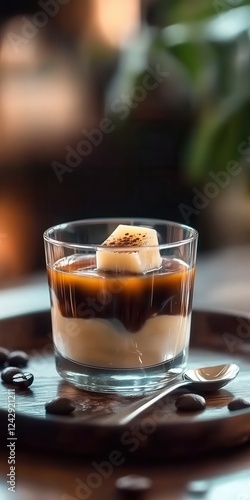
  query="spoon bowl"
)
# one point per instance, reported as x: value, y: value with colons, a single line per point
x: 211, y: 378
x: 204, y: 379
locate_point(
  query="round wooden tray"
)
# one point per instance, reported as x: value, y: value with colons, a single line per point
x: 162, y: 431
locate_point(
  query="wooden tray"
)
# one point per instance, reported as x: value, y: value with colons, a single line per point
x: 161, y: 432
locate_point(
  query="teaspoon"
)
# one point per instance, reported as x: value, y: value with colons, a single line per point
x: 204, y: 379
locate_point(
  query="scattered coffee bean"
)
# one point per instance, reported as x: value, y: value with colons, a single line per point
x: 238, y: 404
x: 4, y: 353
x: 22, y: 380
x: 18, y: 358
x: 190, y: 402
x: 8, y: 374
x: 133, y: 486
x: 60, y: 406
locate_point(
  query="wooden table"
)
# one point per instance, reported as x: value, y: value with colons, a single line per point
x: 49, y: 467
x: 43, y: 477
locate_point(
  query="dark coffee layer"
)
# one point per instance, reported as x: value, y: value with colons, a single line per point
x: 82, y: 292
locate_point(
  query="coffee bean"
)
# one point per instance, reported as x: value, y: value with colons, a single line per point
x: 18, y: 358
x: 133, y: 486
x: 60, y: 406
x: 22, y: 380
x: 4, y: 353
x: 8, y: 374
x: 238, y: 404
x: 190, y: 402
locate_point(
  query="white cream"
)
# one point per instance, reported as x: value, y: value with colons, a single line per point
x: 103, y: 343
x: 133, y: 249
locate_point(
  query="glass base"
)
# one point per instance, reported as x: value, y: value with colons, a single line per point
x: 127, y: 382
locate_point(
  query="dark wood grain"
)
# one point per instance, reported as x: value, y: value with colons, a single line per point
x: 162, y: 431
x: 57, y: 458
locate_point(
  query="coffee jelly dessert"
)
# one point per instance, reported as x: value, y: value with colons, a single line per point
x: 126, y: 307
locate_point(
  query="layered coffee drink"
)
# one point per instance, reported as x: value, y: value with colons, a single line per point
x: 126, y: 307
x: 121, y: 302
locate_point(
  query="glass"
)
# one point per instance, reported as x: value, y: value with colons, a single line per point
x: 116, y: 330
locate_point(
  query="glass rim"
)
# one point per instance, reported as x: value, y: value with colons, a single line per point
x: 105, y: 220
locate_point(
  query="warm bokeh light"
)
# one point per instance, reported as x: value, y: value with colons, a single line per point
x: 17, y: 50
x: 117, y: 20
x: 42, y: 99
x: 28, y: 102
x: 17, y: 223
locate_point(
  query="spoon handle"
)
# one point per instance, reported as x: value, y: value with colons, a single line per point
x: 127, y: 414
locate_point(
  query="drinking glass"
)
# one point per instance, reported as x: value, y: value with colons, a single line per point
x: 119, y: 331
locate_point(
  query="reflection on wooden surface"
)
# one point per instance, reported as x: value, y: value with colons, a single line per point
x: 76, y: 457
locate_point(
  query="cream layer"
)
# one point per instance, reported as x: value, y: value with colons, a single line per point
x: 106, y: 343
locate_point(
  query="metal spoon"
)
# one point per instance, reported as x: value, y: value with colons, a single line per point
x: 204, y: 379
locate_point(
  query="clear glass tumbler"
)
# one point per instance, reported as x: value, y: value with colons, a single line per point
x: 119, y: 329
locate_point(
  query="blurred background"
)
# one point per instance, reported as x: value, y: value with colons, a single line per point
x: 123, y: 108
